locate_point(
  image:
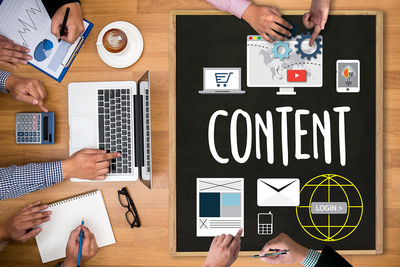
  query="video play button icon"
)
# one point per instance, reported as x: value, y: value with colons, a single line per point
x: 296, y: 75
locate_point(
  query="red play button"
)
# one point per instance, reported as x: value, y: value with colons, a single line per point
x: 296, y: 75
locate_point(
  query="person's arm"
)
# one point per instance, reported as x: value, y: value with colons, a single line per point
x: 11, y: 53
x: 330, y: 258
x: 16, y: 181
x: 316, y: 18
x: 280, y: 243
x: 18, y: 228
x: 264, y: 20
x: 31, y: 91
x: 90, y: 164
x: 74, y: 26
x: 89, y: 247
x: 3, y: 77
x: 299, y: 253
x: 224, y: 250
x: 53, y: 5
x: 235, y: 7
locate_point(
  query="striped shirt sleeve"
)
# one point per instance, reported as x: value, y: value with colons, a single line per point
x: 3, y: 77
x: 16, y: 181
x: 235, y: 7
x: 311, y: 258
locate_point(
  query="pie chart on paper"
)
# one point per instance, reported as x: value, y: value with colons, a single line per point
x: 43, y: 50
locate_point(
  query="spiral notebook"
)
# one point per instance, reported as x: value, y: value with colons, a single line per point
x: 67, y: 215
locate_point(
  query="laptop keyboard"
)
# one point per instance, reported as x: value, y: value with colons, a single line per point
x: 115, y: 127
x: 147, y: 129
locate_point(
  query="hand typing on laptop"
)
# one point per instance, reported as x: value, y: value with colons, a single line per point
x: 87, y: 163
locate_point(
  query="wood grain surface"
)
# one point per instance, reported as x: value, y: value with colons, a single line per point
x: 148, y: 245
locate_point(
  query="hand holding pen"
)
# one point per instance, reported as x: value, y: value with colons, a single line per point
x: 282, y: 245
x: 64, y: 24
x: 73, y: 26
x: 89, y: 247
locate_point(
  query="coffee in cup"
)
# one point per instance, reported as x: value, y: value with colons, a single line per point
x: 115, y: 41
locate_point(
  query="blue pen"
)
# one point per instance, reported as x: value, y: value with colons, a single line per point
x: 80, y: 245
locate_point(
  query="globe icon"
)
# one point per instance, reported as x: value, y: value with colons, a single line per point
x: 329, y: 189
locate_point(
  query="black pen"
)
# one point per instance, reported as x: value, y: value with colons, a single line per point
x: 64, y: 23
x: 272, y: 254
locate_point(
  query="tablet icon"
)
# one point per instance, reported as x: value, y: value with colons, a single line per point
x: 348, y: 76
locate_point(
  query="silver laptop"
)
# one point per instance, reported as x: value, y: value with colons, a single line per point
x: 113, y: 116
x: 222, y: 81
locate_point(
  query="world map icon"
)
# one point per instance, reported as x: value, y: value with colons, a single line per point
x: 331, y: 207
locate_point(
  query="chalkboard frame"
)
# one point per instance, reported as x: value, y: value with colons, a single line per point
x: 378, y: 126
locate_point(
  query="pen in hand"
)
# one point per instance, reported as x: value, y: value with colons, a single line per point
x: 272, y: 254
x: 64, y: 24
x: 80, y: 244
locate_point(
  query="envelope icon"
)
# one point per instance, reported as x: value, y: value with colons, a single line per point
x: 274, y: 192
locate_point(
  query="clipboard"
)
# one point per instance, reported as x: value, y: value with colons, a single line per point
x: 70, y: 56
x: 28, y: 24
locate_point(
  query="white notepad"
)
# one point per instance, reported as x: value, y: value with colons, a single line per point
x: 67, y: 215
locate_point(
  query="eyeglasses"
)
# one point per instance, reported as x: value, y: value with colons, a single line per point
x: 126, y: 201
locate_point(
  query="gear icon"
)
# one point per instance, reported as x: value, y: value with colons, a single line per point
x: 308, y: 56
x: 283, y: 55
x: 293, y: 31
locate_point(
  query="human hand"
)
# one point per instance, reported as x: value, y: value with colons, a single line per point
x: 265, y: 20
x: 224, y: 250
x: 18, y: 228
x: 74, y: 26
x: 27, y: 90
x: 283, y: 242
x: 88, y: 163
x: 316, y: 18
x: 89, y: 247
x: 12, y: 53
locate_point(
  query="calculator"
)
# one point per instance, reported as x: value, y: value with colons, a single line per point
x: 34, y: 128
x: 265, y: 223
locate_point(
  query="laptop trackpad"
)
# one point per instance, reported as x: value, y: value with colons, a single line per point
x: 82, y: 132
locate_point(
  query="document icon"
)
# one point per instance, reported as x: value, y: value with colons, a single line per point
x: 274, y: 192
x: 219, y: 206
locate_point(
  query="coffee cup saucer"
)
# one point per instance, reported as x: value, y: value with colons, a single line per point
x: 132, y: 52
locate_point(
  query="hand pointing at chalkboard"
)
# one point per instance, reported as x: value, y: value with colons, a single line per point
x: 316, y: 18
x: 224, y: 250
x: 267, y: 20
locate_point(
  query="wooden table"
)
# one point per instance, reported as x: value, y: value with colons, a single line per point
x: 148, y: 245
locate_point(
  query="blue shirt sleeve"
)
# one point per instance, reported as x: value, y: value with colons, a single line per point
x: 3, y: 77
x: 16, y: 181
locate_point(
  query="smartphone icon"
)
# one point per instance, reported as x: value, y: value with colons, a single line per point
x: 265, y: 223
x: 348, y: 76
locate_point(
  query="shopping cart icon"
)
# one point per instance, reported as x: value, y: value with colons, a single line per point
x: 222, y: 81
x: 222, y: 78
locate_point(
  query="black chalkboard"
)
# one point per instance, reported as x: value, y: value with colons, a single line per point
x: 220, y: 41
